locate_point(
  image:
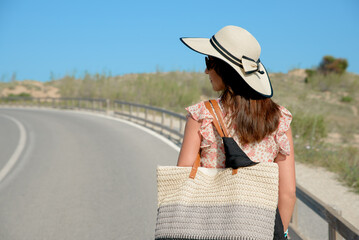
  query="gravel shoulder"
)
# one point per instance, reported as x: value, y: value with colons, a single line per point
x: 325, y: 185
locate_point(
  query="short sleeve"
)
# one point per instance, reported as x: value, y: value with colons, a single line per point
x: 200, y: 113
x: 284, y: 125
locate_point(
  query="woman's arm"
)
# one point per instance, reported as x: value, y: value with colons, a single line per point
x: 287, y: 195
x: 191, y: 143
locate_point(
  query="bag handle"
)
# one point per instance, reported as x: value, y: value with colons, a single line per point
x: 215, y: 122
x: 220, y: 127
x: 218, y: 115
x: 195, y: 166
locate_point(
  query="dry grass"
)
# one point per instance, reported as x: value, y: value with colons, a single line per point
x: 325, y: 128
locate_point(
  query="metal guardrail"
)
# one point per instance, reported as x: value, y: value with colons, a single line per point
x: 338, y: 227
x: 172, y: 125
x: 64, y: 103
x: 163, y: 120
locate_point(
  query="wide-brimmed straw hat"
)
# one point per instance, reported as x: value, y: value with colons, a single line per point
x: 237, y: 47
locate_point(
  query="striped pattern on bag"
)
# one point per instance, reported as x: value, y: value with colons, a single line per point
x: 217, y: 204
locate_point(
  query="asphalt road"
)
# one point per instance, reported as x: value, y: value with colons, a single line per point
x: 77, y: 176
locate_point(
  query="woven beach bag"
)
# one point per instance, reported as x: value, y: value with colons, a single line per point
x: 217, y: 203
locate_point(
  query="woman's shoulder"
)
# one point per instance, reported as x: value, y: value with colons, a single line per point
x: 199, y: 111
x: 280, y: 134
x: 285, y: 119
x: 285, y: 112
x: 196, y: 111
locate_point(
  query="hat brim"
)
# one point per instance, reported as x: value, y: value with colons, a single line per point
x: 257, y: 81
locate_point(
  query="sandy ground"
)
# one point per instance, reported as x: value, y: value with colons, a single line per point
x: 324, y: 185
x: 34, y: 88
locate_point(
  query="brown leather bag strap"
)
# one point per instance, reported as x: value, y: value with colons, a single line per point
x: 195, y: 166
x: 197, y: 162
x: 215, y: 121
x: 219, y: 116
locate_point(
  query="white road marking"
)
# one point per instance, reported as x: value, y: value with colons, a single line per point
x: 20, y: 147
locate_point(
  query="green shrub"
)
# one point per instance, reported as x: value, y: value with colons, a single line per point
x: 310, y: 72
x: 346, y: 99
x: 329, y: 64
x: 21, y: 95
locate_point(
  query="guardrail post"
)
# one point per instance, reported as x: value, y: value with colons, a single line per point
x: 181, y: 126
x: 162, y: 121
x: 115, y: 106
x: 107, y: 106
x: 332, y: 233
x: 146, y: 115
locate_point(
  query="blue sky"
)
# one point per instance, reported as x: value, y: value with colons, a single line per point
x: 42, y: 38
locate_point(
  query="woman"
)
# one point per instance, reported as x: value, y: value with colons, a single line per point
x: 259, y: 126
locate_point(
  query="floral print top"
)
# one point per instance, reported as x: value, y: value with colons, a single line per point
x: 212, y: 149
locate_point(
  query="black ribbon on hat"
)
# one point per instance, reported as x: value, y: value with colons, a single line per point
x: 248, y: 64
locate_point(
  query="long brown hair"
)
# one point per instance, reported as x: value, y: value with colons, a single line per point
x: 250, y: 114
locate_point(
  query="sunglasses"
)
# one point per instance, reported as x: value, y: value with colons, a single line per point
x: 209, y: 62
